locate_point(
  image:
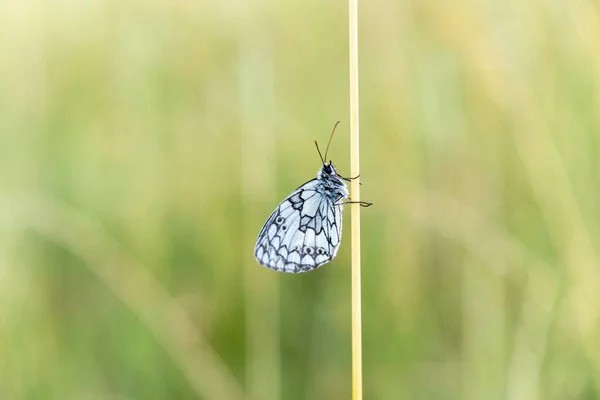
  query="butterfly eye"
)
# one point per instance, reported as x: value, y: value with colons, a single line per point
x: 320, y: 251
x: 279, y: 220
x: 308, y: 250
x: 283, y: 228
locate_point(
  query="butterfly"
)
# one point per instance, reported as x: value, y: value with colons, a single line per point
x: 305, y: 230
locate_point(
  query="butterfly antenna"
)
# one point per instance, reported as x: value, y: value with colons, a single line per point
x: 330, y: 137
x: 320, y: 155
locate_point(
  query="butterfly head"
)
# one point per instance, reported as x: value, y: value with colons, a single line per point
x: 328, y: 169
x: 331, y: 181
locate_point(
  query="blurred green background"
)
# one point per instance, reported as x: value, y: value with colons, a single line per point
x: 144, y: 143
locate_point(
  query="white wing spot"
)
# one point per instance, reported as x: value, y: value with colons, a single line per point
x: 290, y: 268
x: 276, y: 242
x: 309, y: 237
x: 334, y: 235
x: 283, y: 252
x: 287, y: 212
x: 307, y: 194
x: 310, y: 208
x: 321, y: 259
x: 272, y: 231
x: 307, y: 260
x: 294, y: 257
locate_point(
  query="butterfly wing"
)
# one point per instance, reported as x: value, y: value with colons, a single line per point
x: 303, y: 233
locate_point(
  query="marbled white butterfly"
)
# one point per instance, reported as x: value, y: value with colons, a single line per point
x: 305, y: 230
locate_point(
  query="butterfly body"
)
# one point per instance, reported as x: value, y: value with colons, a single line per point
x: 305, y: 230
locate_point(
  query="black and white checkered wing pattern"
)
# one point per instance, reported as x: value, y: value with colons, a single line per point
x: 303, y: 233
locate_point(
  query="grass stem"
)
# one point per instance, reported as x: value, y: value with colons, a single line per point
x: 355, y: 208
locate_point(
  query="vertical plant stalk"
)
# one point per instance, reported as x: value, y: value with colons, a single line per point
x: 355, y: 208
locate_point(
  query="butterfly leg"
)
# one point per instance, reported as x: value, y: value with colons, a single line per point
x: 351, y: 178
x: 362, y: 203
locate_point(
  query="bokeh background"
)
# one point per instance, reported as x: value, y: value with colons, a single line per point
x: 144, y: 143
